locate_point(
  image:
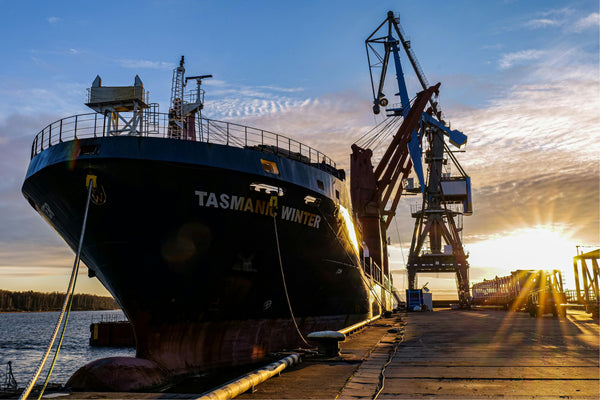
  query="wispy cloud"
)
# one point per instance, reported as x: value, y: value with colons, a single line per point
x: 557, y: 12
x: 569, y: 19
x: 59, y: 99
x: 510, y: 59
x: 541, y: 23
x: 54, y: 52
x: 591, y: 21
x: 247, y: 106
x: 282, y: 89
x: 53, y: 20
x: 140, y: 64
x: 226, y: 100
x: 533, y: 154
x: 329, y: 123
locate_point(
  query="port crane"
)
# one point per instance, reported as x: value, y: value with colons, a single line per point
x: 436, y: 243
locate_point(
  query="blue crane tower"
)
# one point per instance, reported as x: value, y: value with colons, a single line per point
x: 436, y: 244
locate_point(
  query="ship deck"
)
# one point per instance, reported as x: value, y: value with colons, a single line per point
x: 445, y: 354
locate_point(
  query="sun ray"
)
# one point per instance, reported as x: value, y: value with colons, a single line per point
x: 507, y: 322
x: 544, y: 247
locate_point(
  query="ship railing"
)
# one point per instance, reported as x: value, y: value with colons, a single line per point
x: 373, y: 270
x: 110, y: 317
x: 232, y: 134
x: 155, y: 124
x: 453, y: 206
x: 387, y: 283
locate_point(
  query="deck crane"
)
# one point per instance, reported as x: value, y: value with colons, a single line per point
x: 376, y: 191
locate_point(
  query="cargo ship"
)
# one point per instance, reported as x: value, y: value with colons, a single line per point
x: 222, y: 243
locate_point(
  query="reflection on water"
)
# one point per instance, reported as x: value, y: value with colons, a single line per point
x: 25, y: 336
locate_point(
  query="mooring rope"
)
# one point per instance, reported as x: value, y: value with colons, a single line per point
x: 284, y: 284
x: 66, y: 303
x: 62, y: 336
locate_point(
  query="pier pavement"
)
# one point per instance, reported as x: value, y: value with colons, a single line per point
x: 448, y: 354
x: 445, y: 354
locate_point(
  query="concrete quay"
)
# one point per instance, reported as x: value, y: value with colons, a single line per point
x: 447, y: 354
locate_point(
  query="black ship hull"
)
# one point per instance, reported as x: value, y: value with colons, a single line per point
x: 194, y: 240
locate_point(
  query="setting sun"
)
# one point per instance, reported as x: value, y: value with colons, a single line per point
x: 539, y: 247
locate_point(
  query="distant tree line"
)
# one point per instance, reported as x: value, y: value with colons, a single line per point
x: 36, y: 301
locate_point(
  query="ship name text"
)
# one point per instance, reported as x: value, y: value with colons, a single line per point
x: 257, y: 206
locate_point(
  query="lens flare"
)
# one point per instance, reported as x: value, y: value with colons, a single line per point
x: 74, y: 154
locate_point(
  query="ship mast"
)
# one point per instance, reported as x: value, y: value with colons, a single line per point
x: 175, y: 111
x: 184, y: 106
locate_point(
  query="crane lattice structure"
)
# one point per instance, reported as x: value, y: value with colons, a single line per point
x: 376, y: 191
x: 587, y: 279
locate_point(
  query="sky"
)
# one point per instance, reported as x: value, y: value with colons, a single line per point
x: 520, y: 78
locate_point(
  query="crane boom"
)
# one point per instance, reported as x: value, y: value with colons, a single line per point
x: 436, y: 244
x: 371, y: 189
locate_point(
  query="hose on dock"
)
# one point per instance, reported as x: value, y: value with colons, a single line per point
x: 66, y: 304
x: 254, y: 378
x: 359, y: 325
x: 250, y: 380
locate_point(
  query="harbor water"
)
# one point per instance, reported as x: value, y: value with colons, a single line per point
x: 24, y: 338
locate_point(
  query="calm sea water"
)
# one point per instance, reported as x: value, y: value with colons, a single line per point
x: 25, y: 336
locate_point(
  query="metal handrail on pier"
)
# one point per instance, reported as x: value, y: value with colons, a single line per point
x: 155, y: 124
x: 573, y: 297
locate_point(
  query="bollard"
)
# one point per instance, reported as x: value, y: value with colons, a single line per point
x: 328, y: 342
